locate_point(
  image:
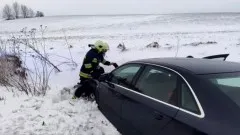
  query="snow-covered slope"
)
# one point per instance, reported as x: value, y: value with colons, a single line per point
x: 178, y: 35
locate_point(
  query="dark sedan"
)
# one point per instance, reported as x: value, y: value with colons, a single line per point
x: 172, y: 96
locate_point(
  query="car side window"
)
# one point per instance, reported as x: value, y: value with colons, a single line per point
x: 187, y: 100
x: 125, y: 74
x: 158, y: 83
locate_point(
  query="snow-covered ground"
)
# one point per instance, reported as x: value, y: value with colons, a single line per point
x: 176, y: 35
x: 51, y: 115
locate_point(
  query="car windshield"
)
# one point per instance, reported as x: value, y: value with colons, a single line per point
x: 229, y: 83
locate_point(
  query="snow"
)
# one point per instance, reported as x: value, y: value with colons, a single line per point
x: 26, y: 115
x: 21, y: 114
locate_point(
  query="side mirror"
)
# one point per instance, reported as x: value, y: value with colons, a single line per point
x: 104, y: 77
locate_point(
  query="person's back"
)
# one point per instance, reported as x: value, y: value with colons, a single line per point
x: 90, y: 68
x: 93, y: 58
x: 90, y: 63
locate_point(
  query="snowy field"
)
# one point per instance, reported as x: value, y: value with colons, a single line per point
x: 178, y: 35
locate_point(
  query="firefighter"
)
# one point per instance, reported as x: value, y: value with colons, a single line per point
x: 90, y: 68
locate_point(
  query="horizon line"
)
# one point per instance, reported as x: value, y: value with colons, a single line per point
x: 144, y: 14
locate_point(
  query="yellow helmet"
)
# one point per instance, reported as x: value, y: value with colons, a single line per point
x: 101, y: 46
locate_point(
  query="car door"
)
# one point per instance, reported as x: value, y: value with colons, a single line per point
x: 189, y: 113
x: 151, y: 104
x: 110, y: 97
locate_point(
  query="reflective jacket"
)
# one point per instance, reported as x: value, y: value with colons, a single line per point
x: 91, y: 63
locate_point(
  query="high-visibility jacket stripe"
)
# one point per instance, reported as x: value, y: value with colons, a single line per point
x: 85, y: 75
x: 88, y: 65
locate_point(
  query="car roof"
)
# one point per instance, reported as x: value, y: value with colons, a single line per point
x: 195, y: 65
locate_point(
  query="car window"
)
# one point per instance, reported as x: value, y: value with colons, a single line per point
x: 187, y: 100
x: 124, y: 75
x: 228, y: 83
x: 158, y: 83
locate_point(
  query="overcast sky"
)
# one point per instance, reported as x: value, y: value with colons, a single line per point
x: 76, y: 7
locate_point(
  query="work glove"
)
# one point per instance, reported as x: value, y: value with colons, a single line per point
x: 115, y: 65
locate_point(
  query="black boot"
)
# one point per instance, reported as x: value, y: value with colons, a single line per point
x: 77, y: 85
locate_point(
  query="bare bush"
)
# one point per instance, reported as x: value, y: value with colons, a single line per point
x: 12, y: 73
x: 32, y: 80
x: 16, y: 9
x: 2, y: 98
x: 7, y: 13
x: 122, y: 47
x: 153, y: 45
x: 69, y: 49
x: 200, y: 43
x: 39, y: 76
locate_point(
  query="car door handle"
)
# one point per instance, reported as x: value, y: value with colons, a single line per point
x: 158, y: 116
x: 117, y: 94
x: 110, y: 85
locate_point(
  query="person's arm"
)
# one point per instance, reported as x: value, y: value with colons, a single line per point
x: 105, y: 62
x: 109, y: 63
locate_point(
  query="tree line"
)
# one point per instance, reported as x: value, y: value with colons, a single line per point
x: 17, y: 11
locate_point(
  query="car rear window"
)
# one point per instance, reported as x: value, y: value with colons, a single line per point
x: 229, y: 83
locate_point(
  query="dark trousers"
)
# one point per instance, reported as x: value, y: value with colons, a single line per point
x: 83, y: 88
x: 88, y: 86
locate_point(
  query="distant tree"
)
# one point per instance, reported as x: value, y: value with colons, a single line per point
x: 7, y: 13
x: 31, y: 13
x: 16, y: 9
x: 39, y: 14
x: 24, y: 11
